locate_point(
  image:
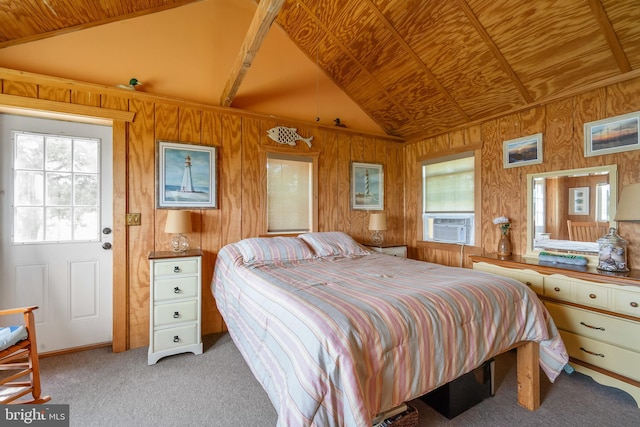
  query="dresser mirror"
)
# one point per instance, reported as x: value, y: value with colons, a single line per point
x: 583, y: 199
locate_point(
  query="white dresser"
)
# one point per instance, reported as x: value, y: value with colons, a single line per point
x: 399, y: 250
x: 598, y: 315
x: 175, y: 304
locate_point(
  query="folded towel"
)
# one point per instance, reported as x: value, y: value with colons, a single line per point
x: 9, y: 335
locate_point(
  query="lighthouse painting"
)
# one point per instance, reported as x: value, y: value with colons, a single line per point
x: 186, y: 175
x: 367, y: 186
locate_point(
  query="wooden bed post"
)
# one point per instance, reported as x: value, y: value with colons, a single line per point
x: 529, y: 375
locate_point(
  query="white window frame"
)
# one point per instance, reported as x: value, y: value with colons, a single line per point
x: 73, y: 206
x: 425, y: 214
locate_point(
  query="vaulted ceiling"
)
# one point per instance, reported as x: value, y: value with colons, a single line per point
x: 416, y: 67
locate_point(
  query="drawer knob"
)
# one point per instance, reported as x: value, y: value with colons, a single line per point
x: 528, y: 283
x: 557, y: 289
x: 176, y: 314
x: 592, y: 296
x: 176, y: 338
x: 176, y: 290
x: 591, y: 352
x: 176, y: 269
x: 634, y: 304
x: 592, y: 327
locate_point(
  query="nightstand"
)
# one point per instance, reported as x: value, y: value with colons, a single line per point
x: 175, y: 303
x: 400, y: 251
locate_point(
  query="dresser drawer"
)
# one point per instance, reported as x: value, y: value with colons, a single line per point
x: 557, y: 288
x: 627, y: 302
x: 607, y: 356
x: 598, y: 326
x: 532, y: 280
x: 175, y: 267
x: 592, y: 295
x: 166, y: 314
x: 165, y: 339
x: 180, y: 287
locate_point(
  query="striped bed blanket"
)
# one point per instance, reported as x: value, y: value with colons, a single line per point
x: 336, y: 338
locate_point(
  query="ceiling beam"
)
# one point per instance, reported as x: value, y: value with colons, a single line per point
x: 482, y: 32
x: 258, y: 29
x: 610, y: 35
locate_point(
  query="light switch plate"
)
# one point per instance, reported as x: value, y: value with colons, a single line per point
x: 133, y: 219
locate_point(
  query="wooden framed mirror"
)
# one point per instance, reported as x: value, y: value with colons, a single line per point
x: 560, y: 198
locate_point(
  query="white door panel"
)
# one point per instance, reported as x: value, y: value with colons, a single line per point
x: 70, y: 282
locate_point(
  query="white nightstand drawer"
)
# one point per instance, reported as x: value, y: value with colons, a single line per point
x: 175, y: 337
x: 628, y: 302
x: 612, y: 330
x: 610, y: 357
x: 180, y: 287
x: 175, y: 267
x: 167, y: 314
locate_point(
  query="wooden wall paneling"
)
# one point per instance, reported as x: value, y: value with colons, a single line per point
x: 252, y: 177
x: 28, y: 90
x: 120, y: 284
x: 557, y: 141
x: 394, y: 193
x: 140, y: 199
x: 588, y: 107
x: 210, y: 229
x: 360, y: 153
x: 167, y: 128
x: 53, y: 93
x: 344, y: 183
x: 328, y: 183
x: 457, y: 139
x: 189, y: 131
x: 532, y: 121
x: 84, y: 97
x: 623, y: 97
x: 114, y: 102
x: 231, y: 179
x: 491, y: 185
x: 413, y: 208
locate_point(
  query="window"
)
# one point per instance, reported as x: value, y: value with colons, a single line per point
x: 602, y: 202
x: 449, y: 199
x: 539, y: 206
x: 56, y: 188
x: 291, y: 206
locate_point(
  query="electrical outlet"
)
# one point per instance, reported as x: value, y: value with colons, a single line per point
x: 133, y: 219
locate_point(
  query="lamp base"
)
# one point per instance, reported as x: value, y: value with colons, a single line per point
x: 179, y: 243
x: 377, y: 238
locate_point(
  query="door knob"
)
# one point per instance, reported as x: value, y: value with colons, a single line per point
x: 106, y: 230
x: 106, y: 245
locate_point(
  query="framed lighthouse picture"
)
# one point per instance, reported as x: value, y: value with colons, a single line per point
x: 185, y: 175
x: 367, y: 186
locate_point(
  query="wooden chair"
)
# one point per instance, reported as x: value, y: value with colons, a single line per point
x: 20, y: 360
x: 587, y: 231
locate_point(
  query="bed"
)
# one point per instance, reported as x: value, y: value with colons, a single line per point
x: 336, y: 333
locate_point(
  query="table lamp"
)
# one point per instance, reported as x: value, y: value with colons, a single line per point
x: 377, y: 223
x: 178, y: 223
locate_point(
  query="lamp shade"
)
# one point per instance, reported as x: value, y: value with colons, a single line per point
x: 378, y: 221
x: 628, y: 204
x: 178, y: 222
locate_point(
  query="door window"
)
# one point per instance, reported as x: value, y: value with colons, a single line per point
x: 56, y: 190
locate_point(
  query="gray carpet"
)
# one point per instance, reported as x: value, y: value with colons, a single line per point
x: 218, y: 389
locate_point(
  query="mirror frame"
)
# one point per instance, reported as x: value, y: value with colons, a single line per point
x: 613, y: 200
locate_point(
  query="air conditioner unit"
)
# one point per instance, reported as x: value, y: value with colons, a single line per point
x: 449, y: 228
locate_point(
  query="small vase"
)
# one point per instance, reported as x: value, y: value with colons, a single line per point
x: 504, y: 245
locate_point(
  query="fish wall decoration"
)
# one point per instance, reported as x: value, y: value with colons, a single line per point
x: 285, y: 135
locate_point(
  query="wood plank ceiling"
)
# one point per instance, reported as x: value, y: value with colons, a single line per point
x: 417, y: 67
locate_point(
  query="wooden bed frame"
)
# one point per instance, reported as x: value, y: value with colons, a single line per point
x: 528, y: 365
